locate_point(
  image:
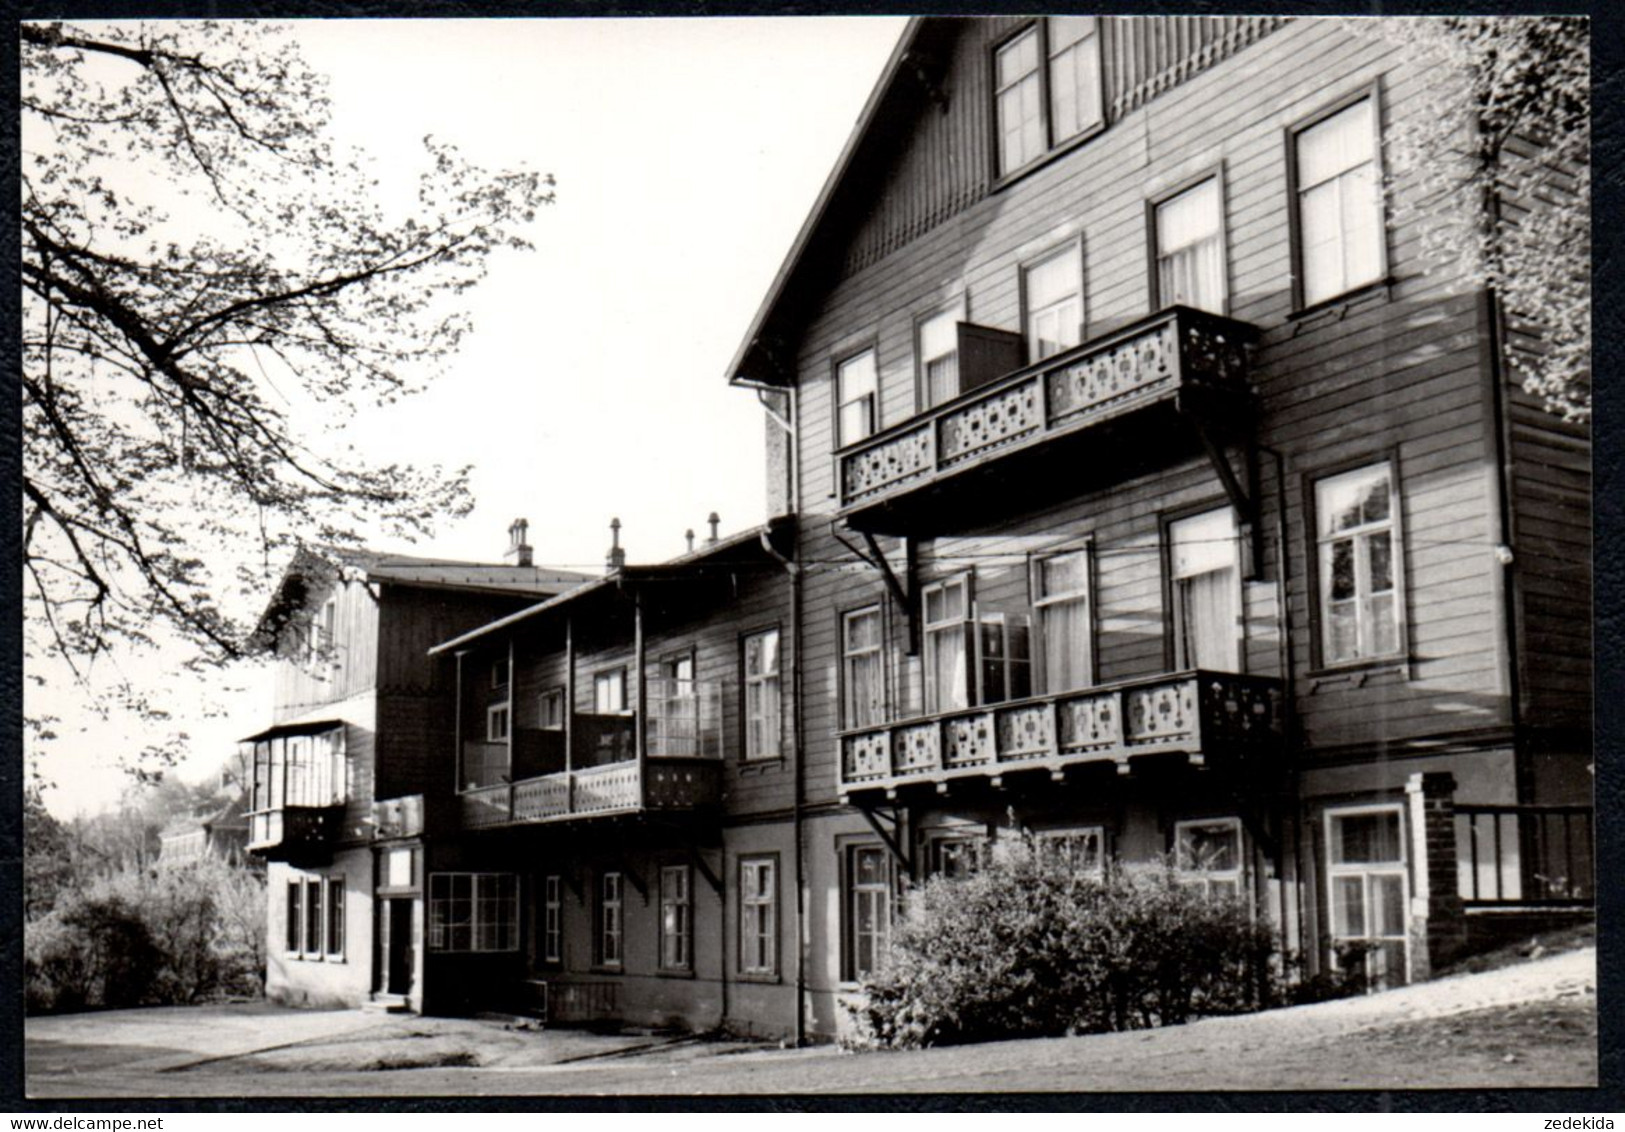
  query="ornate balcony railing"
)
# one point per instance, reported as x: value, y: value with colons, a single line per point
x: 1194, y: 713
x: 1154, y: 360
x: 616, y: 788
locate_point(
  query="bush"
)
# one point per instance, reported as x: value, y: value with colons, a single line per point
x: 139, y: 938
x: 1028, y: 947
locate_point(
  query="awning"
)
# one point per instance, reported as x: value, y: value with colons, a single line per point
x: 311, y: 727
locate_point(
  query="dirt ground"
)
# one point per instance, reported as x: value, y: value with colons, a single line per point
x: 1533, y: 1024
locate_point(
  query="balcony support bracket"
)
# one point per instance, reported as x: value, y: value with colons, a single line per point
x: 703, y: 867
x: 901, y: 589
x: 891, y: 840
x: 636, y: 882
x: 1244, y: 498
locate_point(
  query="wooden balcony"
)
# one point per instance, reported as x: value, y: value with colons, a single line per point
x: 1199, y: 716
x: 665, y: 785
x: 1045, y: 419
x: 302, y: 835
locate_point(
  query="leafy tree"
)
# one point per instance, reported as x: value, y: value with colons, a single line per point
x: 210, y: 292
x: 1495, y: 163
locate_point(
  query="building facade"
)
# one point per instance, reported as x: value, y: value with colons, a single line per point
x: 1136, y: 485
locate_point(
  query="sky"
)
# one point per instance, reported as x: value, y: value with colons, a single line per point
x: 687, y: 153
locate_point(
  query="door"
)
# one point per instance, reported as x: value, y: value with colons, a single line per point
x: 400, y: 951
x: 1206, y: 578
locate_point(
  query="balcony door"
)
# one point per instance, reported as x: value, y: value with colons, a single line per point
x: 1206, y: 592
x: 675, y: 723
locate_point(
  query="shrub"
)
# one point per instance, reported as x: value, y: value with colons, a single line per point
x: 1028, y: 947
x: 140, y: 938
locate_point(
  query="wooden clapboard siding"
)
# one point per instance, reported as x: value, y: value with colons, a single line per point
x: 301, y: 687
x: 1395, y: 371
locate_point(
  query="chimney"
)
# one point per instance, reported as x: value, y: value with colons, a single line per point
x: 519, y: 552
x: 689, y: 535
x: 713, y: 520
x: 616, y: 557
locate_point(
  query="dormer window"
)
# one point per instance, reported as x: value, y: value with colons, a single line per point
x: 1047, y: 90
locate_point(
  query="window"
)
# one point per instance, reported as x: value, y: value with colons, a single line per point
x: 947, y: 610
x: 295, y: 916
x: 676, y: 919
x: 1188, y: 234
x: 1359, y: 556
x: 762, y: 726
x: 955, y: 857
x: 856, y: 398
x: 1206, y: 591
x: 868, y: 909
x: 496, y: 723
x: 938, y: 351
x: 471, y: 912
x: 863, y: 676
x: 319, y: 640
x: 552, y: 919
x: 674, y: 708
x: 611, y: 926
x: 1365, y: 875
x: 1003, y: 657
x: 1061, y: 598
x: 499, y: 674
x: 1082, y: 851
x: 335, y: 917
x: 1338, y: 188
x: 609, y: 692
x: 1046, y: 88
x: 314, y: 907
x: 398, y: 869
x: 1208, y: 855
x: 758, y: 916
x: 1052, y: 302
x: 552, y: 710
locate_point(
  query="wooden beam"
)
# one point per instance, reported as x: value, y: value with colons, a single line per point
x: 1243, y: 498
x: 889, y: 840
x: 703, y: 867
x: 902, y: 590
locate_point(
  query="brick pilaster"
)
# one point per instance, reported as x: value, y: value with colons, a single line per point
x: 1438, y: 927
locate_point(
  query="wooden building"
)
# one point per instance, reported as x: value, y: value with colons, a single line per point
x: 1134, y: 484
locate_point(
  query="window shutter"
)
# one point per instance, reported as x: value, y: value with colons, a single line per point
x: 986, y: 353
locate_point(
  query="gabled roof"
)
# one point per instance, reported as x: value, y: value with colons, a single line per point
x: 749, y: 547
x: 404, y: 570
x: 883, y: 113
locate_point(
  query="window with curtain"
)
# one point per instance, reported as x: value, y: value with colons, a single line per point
x: 609, y: 692
x: 939, y: 357
x: 1360, y: 611
x: 863, y: 677
x: 1052, y: 297
x: 1206, y: 592
x: 1365, y: 874
x: 763, y: 726
x: 1061, y: 601
x: 947, y: 612
x: 857, y: 410
x: 1190, y: 249
x: 1339, y: 203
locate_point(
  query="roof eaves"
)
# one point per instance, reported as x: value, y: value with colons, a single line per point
x: 809, y: 227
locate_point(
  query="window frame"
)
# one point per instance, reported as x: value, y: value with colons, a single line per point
x: 1241, y: 874
x: 771, y: 902
x: 745, y: 682
x: 943, y: 849
x: 435, y: 934
x: 928, y: 638
x: 1036, y: 600
x: 1154, y: 202
x: 1373, y: 92
x: 1172, y: 623
x: 545, y: 698
x: 838, y: 361
x: 311, y: 946
x: 684, y: 902
x: 293, y: 914
x: 843, y: 672
x: 333, y: 908
x: 498, y: 722
x: 552, y: 928
x: 1365, y: 869
x: 885, y: 890
x: 609, y: 921
x: 603, y: 676
x: 1051, y: 148
x: 1050, y: 841
x: 957, y: 309
x: 1074, y: 246
x: 1399, y: 659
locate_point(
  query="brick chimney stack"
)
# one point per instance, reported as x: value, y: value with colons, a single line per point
x: 616, y: 557
x: 519, y: 552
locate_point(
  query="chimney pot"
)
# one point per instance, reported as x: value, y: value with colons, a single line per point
x: 519, y: 552
x: 713, y: 520
x: 689, y: 535
x: 616, y: 557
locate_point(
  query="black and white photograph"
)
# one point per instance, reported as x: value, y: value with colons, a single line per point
x: 806, y: 557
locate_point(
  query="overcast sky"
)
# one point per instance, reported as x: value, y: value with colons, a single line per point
x: 687, y: 153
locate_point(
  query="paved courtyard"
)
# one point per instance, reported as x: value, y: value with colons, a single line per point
x: 1530, y: 1025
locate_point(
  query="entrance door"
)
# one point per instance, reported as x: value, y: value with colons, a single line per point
x: 400, y: 953
x: 1206, y: 592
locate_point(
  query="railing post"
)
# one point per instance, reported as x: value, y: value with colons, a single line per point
x: 1437, y: 924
